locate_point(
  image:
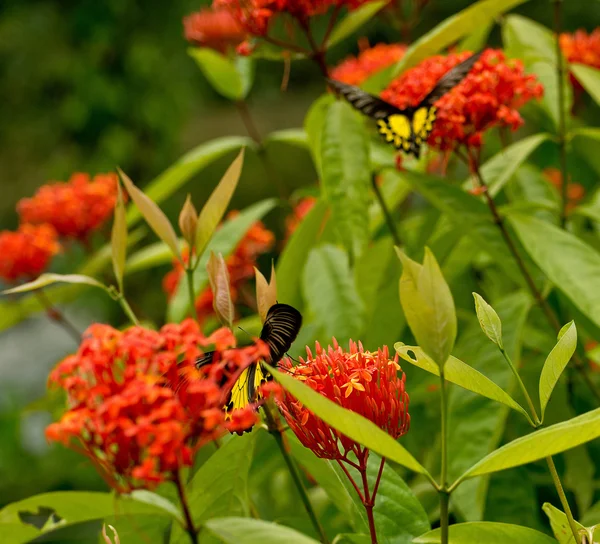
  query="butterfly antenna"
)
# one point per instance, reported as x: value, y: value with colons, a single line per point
x: 245, y: 331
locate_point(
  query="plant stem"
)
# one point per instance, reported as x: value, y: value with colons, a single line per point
x: 536, y: 420
x: 537, y: 295
x: 189, y: 272
x: 386, y: 212
x: 244, y: 111
x: 189, y: 523
x: 563, y: 498
x: 443, y: 491
x: 368, y: 500
x: 275, y: 429
x: 57, y: 316
x: 562, y: 127
x: 127, y: 309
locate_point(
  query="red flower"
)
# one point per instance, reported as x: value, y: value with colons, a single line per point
x: 27, y: 252
x: 575, y: 191
x: 216, y: 29
x: 137, y: 406
x: 364, y: 382
x: 488, y: 96
x: 240, y: 265
x: 74, y: 208
x: 299, y: 212
x: 581, y: 48
x: 355, y: 70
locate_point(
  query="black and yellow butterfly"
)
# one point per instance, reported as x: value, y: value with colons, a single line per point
x: 280, y: 329
x: 409, y: 128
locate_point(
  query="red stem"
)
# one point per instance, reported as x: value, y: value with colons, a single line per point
x: 351, y: 480
x: 368, y: 500
x: 189, y: 523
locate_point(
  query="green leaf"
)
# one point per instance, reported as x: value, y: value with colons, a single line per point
x: 346, y: 175
x: 48, y: 279
x: 292, y: 260
x: 154, y: 499
x: 453, y: 29
x: 331, y: 294
x: 398, y: 514
x: 233, y: 530
x: 560, y: 524
x: 213, y: 210
x: 119, y: 239
x: 461, y: 374
x: 489, y: 320
x: 174, y: 177
x: 498, y: 170
x: 568, y: 262
x: 351, y: 424
x: 488, y: 533
x: 539, y: 444
x: 313, y: 126
x: 589, y: 78
x: 153, y: 215
x: 150, y: 256
x: 293, y: 136
x: 220, y: 487
x: 221, y: 72
x: 224, y: 241
x: 428, y: 306
x: 353, y: 21
x: 17, y: 532
x: 325, y: 474
x: 556, y: 362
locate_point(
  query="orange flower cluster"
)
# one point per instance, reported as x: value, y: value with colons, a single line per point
x: 299, y: 212
x: 240, y: 265
x: 364, y: 382
x: 27, y: 252
x: 138, y: 413
x: 356, y: 70
x: 575, y: 191
x: 74, y: 208
x: 582, y: 48
x: 488, y: 96
x: 216, y: 29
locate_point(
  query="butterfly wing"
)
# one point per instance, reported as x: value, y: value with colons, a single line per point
x: 205, y: 359
x: 450, y: 79
x: 281, y: 327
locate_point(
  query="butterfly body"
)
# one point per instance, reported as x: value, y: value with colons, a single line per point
x: 409, y: 128
x: 280, y: 329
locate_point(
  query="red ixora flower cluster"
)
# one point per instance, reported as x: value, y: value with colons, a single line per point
x: 299, y: 212
x: 216, y: 29
x: 137, y: 406
x: 489, y: 96
x: 575, y: 191
x: 356, y: 70
x: 27, y: 252
x: 74, y: 208
x: 240, y: 265
x: 370, y: 384
x: 582, y: 48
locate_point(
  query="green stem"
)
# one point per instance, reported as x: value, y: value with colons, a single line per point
x: 563, y: 498
x: 189, y: 272
x: 57, y: 316
x: 536, y: 420
x: 386, y: 213
x: 127, y: 309
x: 562, y: 126
x: 275, y: 430
x: 443, y: 491
x: 189, y: 522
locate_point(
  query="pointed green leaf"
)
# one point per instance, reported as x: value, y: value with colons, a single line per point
x: 488, y: 533
x: 428, y: 306
x: 453, y: 29
x: 119, y: 239
x: 48, y: 279
x: 568, y: 262
x: 560, y: 524
x: 215, y: 207
x: 290, y: 266
x: 459, y: 373
x: 556, y: 362
x: 539, y: 444
x: 313, y: 126
x: 346, y: 176
x: 489, y: 320
x: 153, y: 215
x: 354, y: 20
x: 589, y: 78
x: 154, y: 499
x: 254, y: 531
x: 351, y: 424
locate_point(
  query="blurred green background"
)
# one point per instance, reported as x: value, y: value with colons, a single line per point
x: 89, y: 85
